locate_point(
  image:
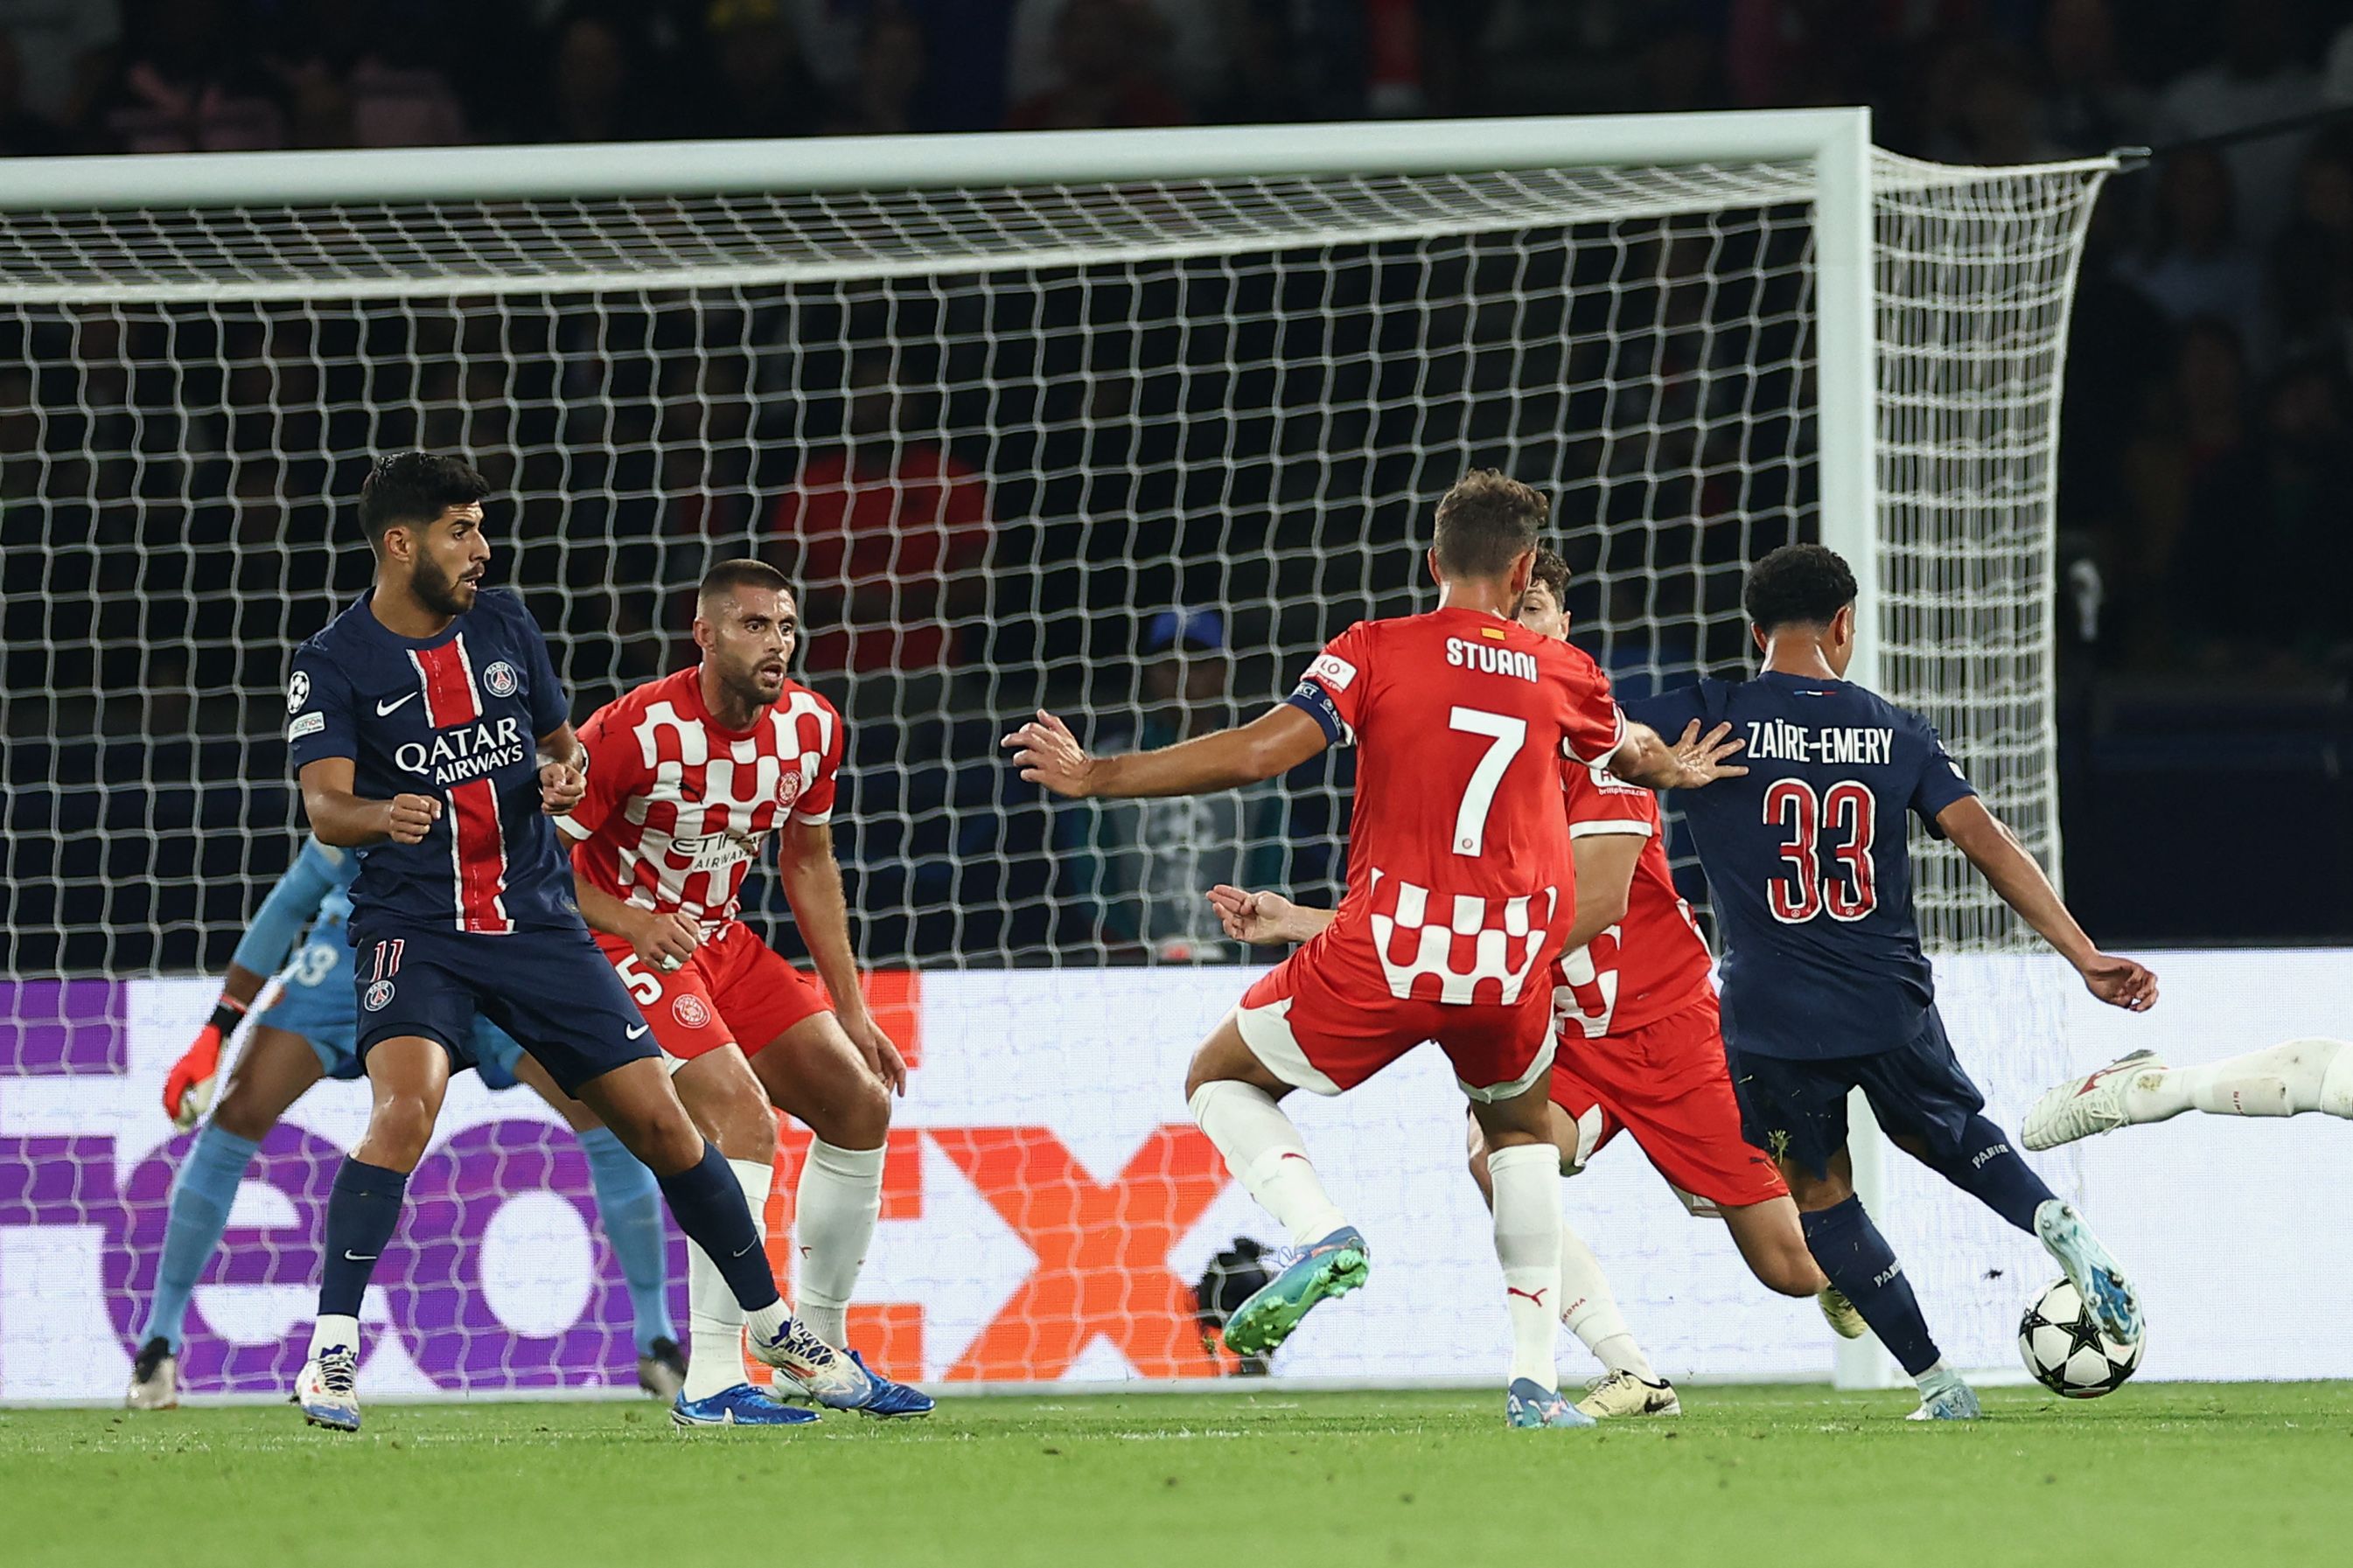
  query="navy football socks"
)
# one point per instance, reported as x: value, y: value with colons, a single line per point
x: 1859, y: 1261
x: 362, y: 1211
x: 707, y: 1203
x: 1989, y: 1169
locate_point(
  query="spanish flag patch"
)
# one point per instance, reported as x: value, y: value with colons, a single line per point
x: 1495, y: 632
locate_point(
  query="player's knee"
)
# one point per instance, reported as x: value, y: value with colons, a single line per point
x: 240, y: 1114
x: 398, y: 1130
x: 665, y: 1139
x: 858, y: 1116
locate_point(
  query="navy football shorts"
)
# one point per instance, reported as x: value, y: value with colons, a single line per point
x: 1795, y: 1107
x: 552, y: 990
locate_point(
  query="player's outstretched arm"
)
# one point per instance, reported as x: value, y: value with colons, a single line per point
x: 812, y: 880
x: 1274, y: 742
x: 2003, y: 861
x: 1265, y: 919
x: 1694, y: 761
x: 348, y: 821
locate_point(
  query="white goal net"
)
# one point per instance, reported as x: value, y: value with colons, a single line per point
x: 1127, y: 445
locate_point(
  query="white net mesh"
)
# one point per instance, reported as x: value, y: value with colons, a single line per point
x: 1131, y: 451
x: 1976, y: 271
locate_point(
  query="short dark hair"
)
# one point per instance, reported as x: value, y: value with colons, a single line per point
x: 1487, y: 522
x: 1553, y: 572
x: 417, y: 488
x: 745, y: 572
x: 1797, y: 586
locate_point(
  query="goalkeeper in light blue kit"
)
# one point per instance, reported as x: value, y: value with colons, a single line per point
x: 307, y: 1034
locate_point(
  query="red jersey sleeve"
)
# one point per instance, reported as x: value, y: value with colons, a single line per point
x: 1601, y: 803
x: 1591, y: 726
x: 1335, y: 689
x: 614, y: 765
x: 815, y: 803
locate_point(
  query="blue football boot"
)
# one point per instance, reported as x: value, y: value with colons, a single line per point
x: 885, y: 1400
x: 2089, y: 1269
x: 1332, y: 1266
x: 741, y: 1405
x: 1529, y: 1404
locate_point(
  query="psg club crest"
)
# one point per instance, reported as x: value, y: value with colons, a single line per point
x: 500, y: 680
x: 690, y: 1010
x: 379, y: 995
x: 298, y: 690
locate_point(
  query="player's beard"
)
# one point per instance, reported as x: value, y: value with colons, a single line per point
x: 438, y: 591
x: 746, y: 687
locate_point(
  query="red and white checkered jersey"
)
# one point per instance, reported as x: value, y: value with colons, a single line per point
x: 677, y: 808
x: 1653, y: 962
x: 1460, y: 879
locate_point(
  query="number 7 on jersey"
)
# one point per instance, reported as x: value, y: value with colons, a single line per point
x: 1508, y: 735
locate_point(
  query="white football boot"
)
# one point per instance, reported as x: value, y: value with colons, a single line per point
x: 1947, y: 1398
x: 2087, y: 1106
x: 1844, y: 1321
x: 154, y: 1377
x: 328, y: 1389
x: 1622, y: 1393
x: 827, y: 1376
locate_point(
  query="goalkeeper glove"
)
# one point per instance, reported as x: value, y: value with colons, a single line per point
x: 189, y: 1091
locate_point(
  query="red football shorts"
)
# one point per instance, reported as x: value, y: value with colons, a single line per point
x: 1312, y: 1036
x: 734, y: 989
x: 1667, y: 1084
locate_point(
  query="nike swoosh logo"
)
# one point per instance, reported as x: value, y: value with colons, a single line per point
x: 351, y: 1256
x: 384, y: 707
x: 746, y: 1249
x: 633, y: 1034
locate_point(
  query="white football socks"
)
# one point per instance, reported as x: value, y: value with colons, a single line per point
x: 1590, y: 1310
x: 836, y: 1205
x: 334, y: 1330
x: 1526, y: 1180
x: 2284, y: 1081
x: 1266, y: 1154
x: 715, y: 1323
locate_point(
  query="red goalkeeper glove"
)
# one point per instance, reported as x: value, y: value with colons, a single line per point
x: 189, y: 1091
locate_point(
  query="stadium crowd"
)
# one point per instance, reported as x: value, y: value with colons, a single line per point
x: 2206, y: 522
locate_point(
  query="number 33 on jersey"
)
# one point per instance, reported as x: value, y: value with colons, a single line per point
x: 1806, y: 857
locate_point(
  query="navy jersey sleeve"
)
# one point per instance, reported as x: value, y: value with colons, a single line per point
x: 320, y: 718
x: 551, y: 705
x: 1668, y: 711
x: 1941, y: 781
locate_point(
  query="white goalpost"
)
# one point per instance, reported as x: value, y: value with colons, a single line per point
x: 1122, y: 423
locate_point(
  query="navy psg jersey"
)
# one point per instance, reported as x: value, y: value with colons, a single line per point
x: 457, y: 717
x: 1807, y: 859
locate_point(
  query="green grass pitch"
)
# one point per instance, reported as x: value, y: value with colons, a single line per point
x: 2206, y: 1474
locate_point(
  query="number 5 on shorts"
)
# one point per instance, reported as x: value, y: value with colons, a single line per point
x: 644, y: 988
x: 1509, y: 735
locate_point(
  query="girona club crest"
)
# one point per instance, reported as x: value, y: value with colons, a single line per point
x: 691, y: 1010
x: 788, y: 788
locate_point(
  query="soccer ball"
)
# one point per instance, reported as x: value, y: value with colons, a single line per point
x: 2067, y: 1350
